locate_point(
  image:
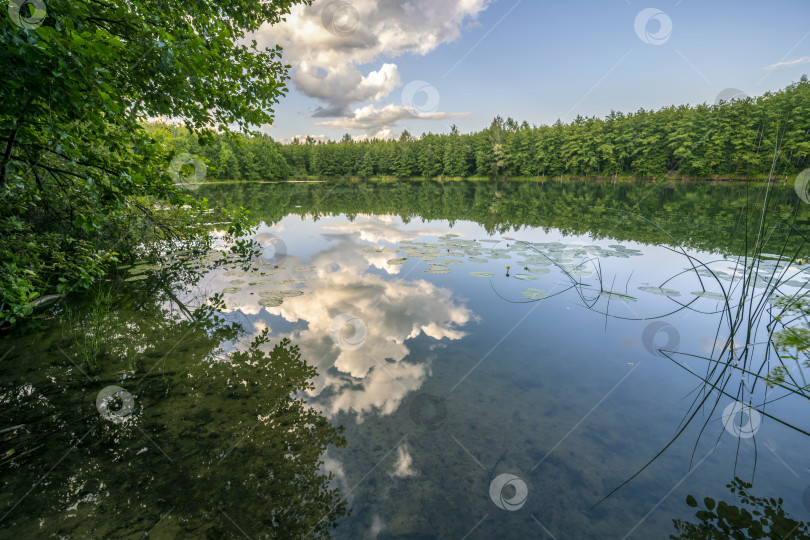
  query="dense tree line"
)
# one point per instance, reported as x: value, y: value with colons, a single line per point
x: 737, y: 138
x: 228, y: 157
x: 731, y: 139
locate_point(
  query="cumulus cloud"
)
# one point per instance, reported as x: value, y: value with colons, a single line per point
x: 369, y: 117
x: 330, y: 43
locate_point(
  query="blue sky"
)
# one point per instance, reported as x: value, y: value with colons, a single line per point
x: 532, y: 60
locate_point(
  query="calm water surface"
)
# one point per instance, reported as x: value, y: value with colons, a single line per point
x: 500, y: 358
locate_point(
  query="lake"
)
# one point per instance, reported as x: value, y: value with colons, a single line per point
x: 499, y: 358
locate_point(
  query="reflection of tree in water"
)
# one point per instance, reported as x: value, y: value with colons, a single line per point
x: 755, y: 517
x: 216, y: 445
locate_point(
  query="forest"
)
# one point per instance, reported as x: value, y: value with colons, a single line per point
x: 743, y: 138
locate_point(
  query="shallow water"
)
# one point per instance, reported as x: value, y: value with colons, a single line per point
x: 501, y: 357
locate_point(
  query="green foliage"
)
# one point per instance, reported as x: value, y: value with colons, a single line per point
x: 81, y: 183
x: 756, y: 517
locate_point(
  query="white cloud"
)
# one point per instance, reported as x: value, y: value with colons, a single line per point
x: 329, y: 42
x: 790, y: 63
x: 370, y: 118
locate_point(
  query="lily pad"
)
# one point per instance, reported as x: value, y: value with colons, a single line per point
x: 231, y: 290
x: 479, y: 260
x: 290, y: 293
x: 137, y: 277
x: 534, y: 294
x: 613, y: 295
x: 273, y: 301
x: 525, y: 277
x: 482, y: 274
x: 660, y: 290
x: 709, y: 295
x: 401, y: 260
x: 437, y: 269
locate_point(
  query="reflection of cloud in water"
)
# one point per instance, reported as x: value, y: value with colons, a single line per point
x: 404, y: 465
x: 382, y: 229
x: 376, y: 377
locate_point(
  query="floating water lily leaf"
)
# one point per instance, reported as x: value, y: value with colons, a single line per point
x: 237, y: 281
x: 709, y: 295
x: 273, y: 301
x: 231, y: 290
x: 490, y: 241
x: 453, y: 262
x: 534, y: 294
x: 290, y: 293
x: 539, y: 270
x: 401, y: 260
x: 617, y: 296
x: 479, y: 260
x: 482, y: 274
x: 437, y: 269
x: 660, y: 290
x: 304, y: 268
x: 525, y: 277
x: 137, y: 277
x: 260, y: 282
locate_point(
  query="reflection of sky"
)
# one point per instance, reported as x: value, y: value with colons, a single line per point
x: 398, y: 303
x: 420, y: 339
x: 349, y: 278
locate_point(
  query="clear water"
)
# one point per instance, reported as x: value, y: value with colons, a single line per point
x: 498, y: 382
